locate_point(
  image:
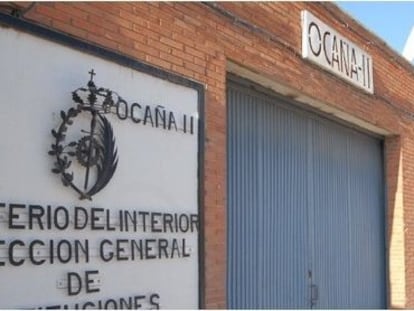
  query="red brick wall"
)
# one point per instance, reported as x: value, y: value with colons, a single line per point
x: 196, y: 41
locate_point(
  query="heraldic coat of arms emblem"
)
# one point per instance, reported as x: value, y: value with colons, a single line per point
x: 84, y: 144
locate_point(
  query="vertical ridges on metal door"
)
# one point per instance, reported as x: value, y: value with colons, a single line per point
x: 348, y: 261
x: 330, y: 228
x: 367, y: 222
x: 305, y: 208
x: 267, y: 189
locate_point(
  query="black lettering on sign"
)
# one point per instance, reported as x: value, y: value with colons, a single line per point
x: 124, y: 304
x: 137, y: 304
x: 345, y: 63
x: 108, y: 221
x: 160, y: 116
x: 194, y: 222
x: 154, y: 301
x: 111, y: 304
x: 32, y: 256
x: 149, y: 248
x: 13, y: 215
x: 148, y: 116
x: 368, y: 73
x: 88, y: 304
x: 80, y: 212
x: 185, y: 123
x: 51, y: 252
x: 177, y: 227
x: 162, y: 248
x: 62, y: 255
x: 110, y: 254
x: 167, y: 221
x: 49, y: 217
x: 61, y: 218
x: 2, y: 242
x: 171, y: 121
x: 134, y: 116
x: 326, y: 35
x: 36, y: 212
x: 90, y: 281
x: 84, y: 248
x: 131, y: 218
x: 155, y: 222
x: 314, y: 27
x: 335, y: 53
x: 150, y: 301
x: 354, y: 65
x: 175, y: 248
x: 363, y: 70
x: 136, y: 245
x: 157, y: 117
x: 12, y: 259
x: 121, y: 221
x: 144, y: 223
x: 184, y: 223
x: 74, y: 283
x: 183, y: 247
x: 95, y: 218
x: 122, y: 113
x: 120, y: 250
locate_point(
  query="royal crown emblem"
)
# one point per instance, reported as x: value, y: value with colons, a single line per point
x: 84, y: 144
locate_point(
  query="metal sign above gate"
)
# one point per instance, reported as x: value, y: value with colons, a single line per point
x: 328, y: 49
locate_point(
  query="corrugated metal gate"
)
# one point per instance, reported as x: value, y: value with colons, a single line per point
x: 305, y: 208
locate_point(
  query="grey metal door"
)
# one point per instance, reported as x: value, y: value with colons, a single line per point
x: 348, y: 254
x: 305, y: 208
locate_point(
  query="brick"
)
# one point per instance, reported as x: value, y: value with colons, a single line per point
x: 102, y: 22
x: 193, y: 41
x: 51, y: 12
x: 107, y: 7
x: 160, y: 46
x: 132, y: 34
x: 183, y: 71
x: 89, y: 8
x: 116, y: 37
x: 87, y: 26
x: 172, y: 43
x: 195, y: 68
x: 182, y: 55
x: 172, y: 59
x: 158, y: 62
x: 102, y: 41
x: 69, y: 9
x: 194, y: 52
x: 39, y: 18
x: 132, y: 52
x: 146, y: 49
x: 69, y: 29
x: 183, y: 39
x: 127, y: 15
x: 184, y: 25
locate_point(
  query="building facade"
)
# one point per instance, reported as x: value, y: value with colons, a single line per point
x: 304, y: 153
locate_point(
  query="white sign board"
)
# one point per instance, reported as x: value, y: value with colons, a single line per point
x: 333, y: 52
x: 132, y: 244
